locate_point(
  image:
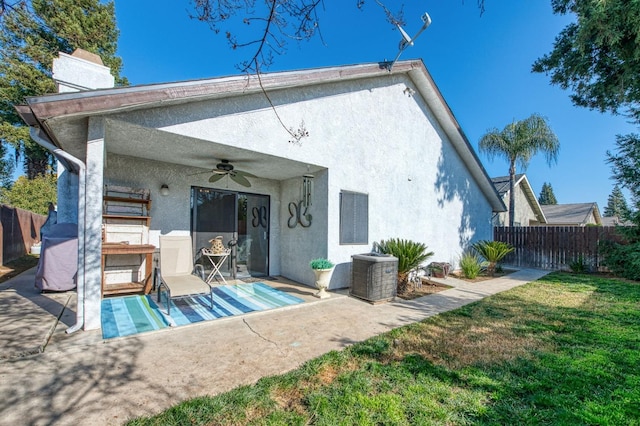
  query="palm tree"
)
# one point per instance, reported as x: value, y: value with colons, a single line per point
x: 517, y: 143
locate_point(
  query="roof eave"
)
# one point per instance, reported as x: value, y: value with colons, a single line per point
x: 107, y: 101
x: 534, y: 201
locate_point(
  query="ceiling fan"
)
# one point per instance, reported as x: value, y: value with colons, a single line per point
x: 225, y: 168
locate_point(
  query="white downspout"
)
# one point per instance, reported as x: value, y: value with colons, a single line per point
x: 82, y: 170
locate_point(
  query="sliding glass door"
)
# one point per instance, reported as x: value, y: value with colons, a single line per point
x: 240, y: 219
x: 253, y: 234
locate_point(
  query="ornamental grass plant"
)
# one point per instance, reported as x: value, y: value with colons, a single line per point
x: 470, y: 264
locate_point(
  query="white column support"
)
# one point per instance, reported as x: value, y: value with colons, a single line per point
x: 67, y: 206
x: 93, y: 210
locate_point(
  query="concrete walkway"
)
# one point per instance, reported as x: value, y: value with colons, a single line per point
x: 81, y: 379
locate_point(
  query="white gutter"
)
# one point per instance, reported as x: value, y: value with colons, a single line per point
x: 82, y: 171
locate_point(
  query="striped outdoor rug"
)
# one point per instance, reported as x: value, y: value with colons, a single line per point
x: 124, y: 316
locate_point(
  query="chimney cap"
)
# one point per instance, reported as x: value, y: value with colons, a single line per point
x: 87, y: 56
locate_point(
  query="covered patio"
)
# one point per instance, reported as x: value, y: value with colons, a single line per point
x: 32, y: 322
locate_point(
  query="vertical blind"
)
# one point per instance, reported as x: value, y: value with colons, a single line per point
x: 354, y: 218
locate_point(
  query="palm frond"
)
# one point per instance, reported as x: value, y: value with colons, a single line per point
x: 410, y: 254
x: 492, y: 251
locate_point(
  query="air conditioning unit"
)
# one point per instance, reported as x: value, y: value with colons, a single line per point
x: 374, y: 277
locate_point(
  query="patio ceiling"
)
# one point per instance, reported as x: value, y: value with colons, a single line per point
x: 148, y: 143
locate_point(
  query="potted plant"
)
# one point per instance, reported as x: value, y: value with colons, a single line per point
x: 322, y: 268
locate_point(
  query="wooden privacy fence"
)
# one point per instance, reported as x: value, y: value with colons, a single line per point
x: 19, y: 230
x: 555, y: 247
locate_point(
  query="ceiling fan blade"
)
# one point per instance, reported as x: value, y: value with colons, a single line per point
x: 199, y: 173
x: 216, y: 177
x: 239, y: 179
x: 245, y: 174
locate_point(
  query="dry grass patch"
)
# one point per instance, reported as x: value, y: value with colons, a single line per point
x: 466, y: 344
x: 252, y: 414
x: 290, y: 399
x: 328, y: 373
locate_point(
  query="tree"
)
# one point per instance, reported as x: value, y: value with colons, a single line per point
x: 623, y: 258
x: 32, y: 194
x: 517, y: 143
x: 6, y: 168
x: 625, y: 165
x: 616, y: 204
x: 597, y: 57
x: 32, y: 32
x: 547, y: 197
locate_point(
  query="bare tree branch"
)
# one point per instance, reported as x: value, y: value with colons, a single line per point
x: 6, y: 5
x: 280, y: 21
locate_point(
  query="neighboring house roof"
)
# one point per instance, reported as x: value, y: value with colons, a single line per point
x: 614, y: 220
x: 572, y: 214
x: 501, y: 183
x: 63, y: 116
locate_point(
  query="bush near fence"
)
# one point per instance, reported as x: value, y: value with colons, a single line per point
x: 556, y: 247
x: 20, y: 229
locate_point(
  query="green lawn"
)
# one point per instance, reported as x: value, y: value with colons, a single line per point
x: 564, y: 350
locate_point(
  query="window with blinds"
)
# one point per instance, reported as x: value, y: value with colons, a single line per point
x: 354, y: 218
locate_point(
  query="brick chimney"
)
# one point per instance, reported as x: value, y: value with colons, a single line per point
x: 81, y: 70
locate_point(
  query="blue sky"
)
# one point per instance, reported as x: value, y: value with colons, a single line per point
x: 482, y: 65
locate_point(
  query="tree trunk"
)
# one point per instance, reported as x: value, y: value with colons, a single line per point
x: 512, y: 196
x: 403, y: 283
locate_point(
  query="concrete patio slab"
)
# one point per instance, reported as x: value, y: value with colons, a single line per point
x: 27, y: 317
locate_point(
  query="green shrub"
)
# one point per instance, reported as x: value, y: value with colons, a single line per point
x: 470, y: 265
x: 579, y: 266
x: 623, y: 259
x: 321, y: 263
x: 493, y: 252
x: 410, y: 255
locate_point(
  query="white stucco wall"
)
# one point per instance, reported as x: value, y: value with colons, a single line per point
x: 171, y: 214
x: 372, y: 138
x: 67, y: 196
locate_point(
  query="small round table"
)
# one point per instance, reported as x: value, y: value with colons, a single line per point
x: 217, y: 260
